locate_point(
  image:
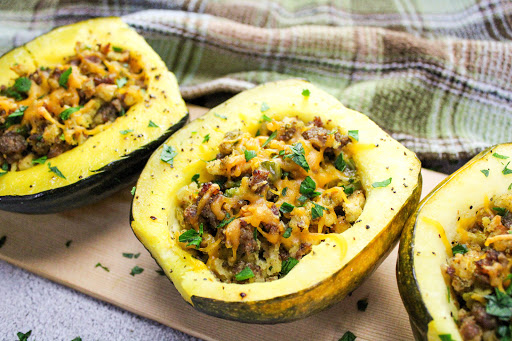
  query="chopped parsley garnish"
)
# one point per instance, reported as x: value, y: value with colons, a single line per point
x: 249, y: 154
x: 510, y: 186
x: 16, y: 116
x: 2, y: 241
x: 226, y: 221
x: 445, y: 337
x: 317, y: 211
x: 270, y: 138
x: 264, y: 107
x: 384, y: 183
x: 5, y: 168
x: 40, y: 160
x: 192, y: 237
x: 246, y: 273
x: 64, y: 115
x: 499, y: 305
x: 255, y: 233
x: 362, y: 304
x: 136, y: 270
x: 302, y: 199
x: 266, y: 118
x: 168, y: 154
x: 23, y: 336
x: 195, y: 178
x: 459, y: 248
x: 283, y: 192
x: 133, y: 190
x: 500, y: 210
x: 287, y: 233
x: 152, y: 124
x: 101, y: 266
x: 131, y: 255
x: 286, y: 208
x: 340, y: 163
x: 485, y: 172
x: 298, y: 156
x: 206, y: 138
x: 348, y: 189
x: 160, y: 272
x: 68, y: 243
x: 117, y: 49
x: 307, y: 187
x: 56, y: 171
x: 499, y: 156
x: 78, y: 338
x: 507, y: 171
x: 127, y: 131
x: 354, y: 134
x: 22, y: 85
x: 282, y: 152
x: 63, y: 79
x: 306, y: 92
x: 348, y: 336
x: 220, y: 116
x: 288, y: 265
x: 120, y: 82
x: 62, y: 137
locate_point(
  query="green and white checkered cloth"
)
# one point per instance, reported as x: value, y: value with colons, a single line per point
x: 436, y: 74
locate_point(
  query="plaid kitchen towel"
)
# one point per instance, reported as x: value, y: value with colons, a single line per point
x: 435, y: 74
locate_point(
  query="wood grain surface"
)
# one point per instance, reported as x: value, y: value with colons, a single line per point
x: 100, y: 233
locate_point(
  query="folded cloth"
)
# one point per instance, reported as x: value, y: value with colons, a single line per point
x: 436, y: 75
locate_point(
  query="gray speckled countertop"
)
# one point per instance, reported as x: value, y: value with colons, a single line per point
x: 54, y: 312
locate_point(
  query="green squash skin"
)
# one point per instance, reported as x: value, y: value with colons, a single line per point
x: 419, y: 317
x: 305, y: 303
x: 106, y: 181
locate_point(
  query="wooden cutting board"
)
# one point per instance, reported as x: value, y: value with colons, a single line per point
x: 66, y: 248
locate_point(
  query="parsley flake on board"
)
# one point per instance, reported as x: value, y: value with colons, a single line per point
x: 40, y: 160
x: 298, y: 156
x: 264, y: 107
x: 56, y: 171
x: 362, y: 304
x: 507, y: 171
x: 65, y: 114
x: 120, y: 82
x: 485, y: 172
x: 249, y: 154
x: 160, y: 272
x: 78, y: 338
x: 152, y: 124
x: 68, y: 243
x: 348, y: 336
x: 459, y: 248
x: 63, y: 79
x: 317, y: 211
x: 288, y: 265
x: 23, y: 336
x: 286, y: 208
x: 206, y: 138
x: 127, y: 131
x: 101, y: 266
x: 191, y: 237
x: 270, y: 138
x: 354, y: 134
x: 2, y: 241
x: 499, y: 156
x: 287, y: 233
x: 131, y: 255
x: 168, y: 154
x: 306, y: 92
x: 136, y: 270
x: 382, y: 183
x: 246, y: 273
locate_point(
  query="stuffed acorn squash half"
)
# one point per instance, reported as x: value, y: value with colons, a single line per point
x: 454, y: 267
x: 275, y: 204
x: 81, y: 109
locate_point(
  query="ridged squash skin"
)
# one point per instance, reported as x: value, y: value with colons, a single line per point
x: 106, y: 161
x: 336, y: 266
x: 423, y: 245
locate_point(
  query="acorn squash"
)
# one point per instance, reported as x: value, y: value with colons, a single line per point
x: 110, y: 159
x: 335, y: 266
x: 428, y: 237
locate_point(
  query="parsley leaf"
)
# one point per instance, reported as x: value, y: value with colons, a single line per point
x: 283, y: 192
x: 152, y: 124
x: 485, y: 172
x: 40, y: 160
x: 288, y: 265
x: 168, y: 154
x: 298, y: 156
x: 22, y: 85
x: 362, y: 304
x: 160, y: 272
x: 500, y: 210
x: 264, y: 107
x: 266, y: 118
x: 206, y: 138
x: 226, y: 221
x: 120, y: 82
x: 499, y: 156
x: 117, y: 49
x: 68, y: 243
x: 249, y: 154
x: 56, y: 171
x: 307, y: 187
x: 133, y: 190
x: 306, y: 93
x: 63, y: 79
x: 286, y: 208
x: 103, y: 267
x: 348, y: 336
x: 131, y: 255
x: 287, y: 233
x: 16, y: 116
x: 195, y: 178
x: 459, y: 248
x: 136, y: 270
x: 270, y: 138
x: 317, y: 211
x: 192, y: 237
x: 246, y: 273
x: 78, y: 338
x: 354, y: 134
x: 127, y: 131
x: 506, y: 171
x: 499, y: 305
x: 382, y: 183
x: 65, y: 114
x: 445, y: 337
x: 348, y: 189
x: 23, y: 336
x: 340, y: 163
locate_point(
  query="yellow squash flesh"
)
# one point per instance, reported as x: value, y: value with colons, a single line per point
x: 334, y: 267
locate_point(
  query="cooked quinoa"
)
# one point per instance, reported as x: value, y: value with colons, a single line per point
x: 269, y: 198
